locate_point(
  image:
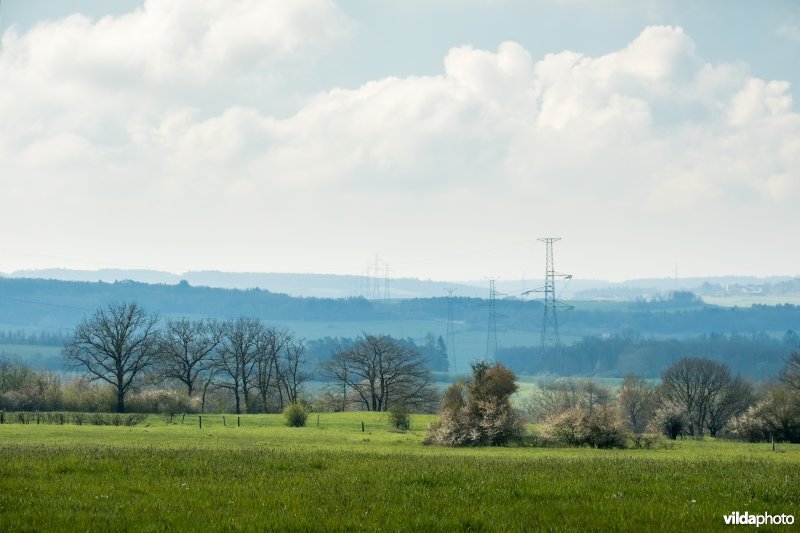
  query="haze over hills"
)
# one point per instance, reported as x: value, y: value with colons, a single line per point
x: 346, y: 286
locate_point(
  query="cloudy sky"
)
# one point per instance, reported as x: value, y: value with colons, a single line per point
x: 443, y: 135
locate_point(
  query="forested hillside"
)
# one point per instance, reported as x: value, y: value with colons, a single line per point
x: 599, y: 337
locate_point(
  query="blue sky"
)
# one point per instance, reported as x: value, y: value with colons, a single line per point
x: 444, y: 136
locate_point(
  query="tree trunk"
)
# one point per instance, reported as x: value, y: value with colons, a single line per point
x: 236, y: 394
x: 120, y: 401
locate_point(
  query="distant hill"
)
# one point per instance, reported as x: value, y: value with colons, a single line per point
x: 42, y: 312
x: 349, y: 286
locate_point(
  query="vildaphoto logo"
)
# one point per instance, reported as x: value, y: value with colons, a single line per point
x: 764, y: 519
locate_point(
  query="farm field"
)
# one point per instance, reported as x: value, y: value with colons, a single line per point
x: 264, y: 476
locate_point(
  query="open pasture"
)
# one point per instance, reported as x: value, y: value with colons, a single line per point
x: 265, y: 476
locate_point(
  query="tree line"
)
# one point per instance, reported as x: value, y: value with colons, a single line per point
x: 177, y: 364
x: 50, y: 303
x: 122, y: 345
x: 756, y: 355
x: 694, y: 397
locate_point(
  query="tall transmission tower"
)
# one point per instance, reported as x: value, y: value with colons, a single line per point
x: 451, y: 334
x: 550, y: 338
x: 491, y: 335
x: 386, y: 282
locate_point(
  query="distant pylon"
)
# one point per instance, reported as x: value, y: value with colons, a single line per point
x: 451, y: 334
x: 491, y: 335
x: 386, y: 281
x: 551, y: 339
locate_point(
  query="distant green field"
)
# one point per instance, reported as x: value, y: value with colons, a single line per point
x: 264, y: 476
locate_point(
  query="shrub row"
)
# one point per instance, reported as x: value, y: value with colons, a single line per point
x: 79, y: 419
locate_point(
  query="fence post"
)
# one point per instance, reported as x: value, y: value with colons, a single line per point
x: 182, y: 418
x: 238, y: 421
x: 362, y: 426
x: 2, y: 416
x: 317, y: 419
x: 201, y: 421
x: 224, y: 423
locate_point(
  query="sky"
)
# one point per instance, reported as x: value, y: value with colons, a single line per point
x: 438, y: 138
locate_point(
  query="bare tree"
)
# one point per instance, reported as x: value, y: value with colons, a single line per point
x: 269, y: 345
x: 731, y: 401
x: 238, y: 357
x: 706, y: 392
x: 186, y: 351
x: 117, y: 344
x: 383, y: 372
x: 593, y: 394
x: 292, y: 369
x: 554, y: 397
x: 636, y: 398
x: 791, y: 371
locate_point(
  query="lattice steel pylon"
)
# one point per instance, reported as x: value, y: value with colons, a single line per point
x: 550, y: 338
x: 451, y: 334
x: 491, y: 335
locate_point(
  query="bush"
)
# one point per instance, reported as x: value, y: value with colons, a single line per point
x: 646, y: 441
x: 576, y: 427
x: 59, y: 418
x: 669, y: 419
x: 162, y: 401
x: 399, y: 417
x: 776, y: 416
x: 295, y: 415
x: 485, y: 423
x: 84, y: 396
x: 568, y: 427
x: 479, y: 413
x: 604, y: 429
x: 116, y: 419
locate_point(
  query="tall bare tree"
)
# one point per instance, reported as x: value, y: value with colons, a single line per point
x: 292, y: 369
x: 186, y: 351
x: 117, y: 344
x: 270, y: 344
x: 706, y: 392
x: 238, y: 357
x: 382, y: 372
x: 636, y: 399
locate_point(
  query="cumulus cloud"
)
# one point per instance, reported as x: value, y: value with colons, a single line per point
x: 647, y: 143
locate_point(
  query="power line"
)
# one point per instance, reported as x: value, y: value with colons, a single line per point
x: 19, y: 300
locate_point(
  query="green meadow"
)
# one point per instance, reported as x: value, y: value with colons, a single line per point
x: 331, y: 475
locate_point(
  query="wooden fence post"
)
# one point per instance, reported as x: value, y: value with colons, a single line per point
x: 224, y: 423
x: 201, y: 421
x: 362, y: 426
x: 238, y: 421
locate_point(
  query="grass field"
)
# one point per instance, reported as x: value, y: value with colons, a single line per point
x: 264, y: 476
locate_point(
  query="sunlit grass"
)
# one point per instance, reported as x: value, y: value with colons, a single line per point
x: 264, y: 475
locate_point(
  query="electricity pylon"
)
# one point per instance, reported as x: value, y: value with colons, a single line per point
x: 491, y: 335
x: 451, y: 334
x: 550, y: 338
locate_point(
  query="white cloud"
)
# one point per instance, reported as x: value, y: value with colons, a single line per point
x: 645, y: 143
x: 790, y: 32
